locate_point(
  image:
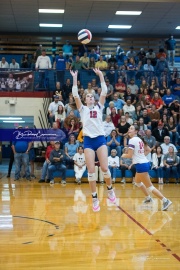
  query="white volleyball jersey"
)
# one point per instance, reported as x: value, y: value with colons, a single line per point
x: 138, y: 146
x: 92, y: 120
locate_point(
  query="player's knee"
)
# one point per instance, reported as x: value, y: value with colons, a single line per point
x: 91, y: 177
x: 106, y: 174
x: 139, y: 184
x: 150, y: 189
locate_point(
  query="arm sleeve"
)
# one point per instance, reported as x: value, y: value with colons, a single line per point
x: 104, y: 89
x: 131, y: 144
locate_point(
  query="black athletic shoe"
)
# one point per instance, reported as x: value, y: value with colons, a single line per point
x: 41, y: 181
x: 8, y: 175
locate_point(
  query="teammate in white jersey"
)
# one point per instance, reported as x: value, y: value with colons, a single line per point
x: 94, y: 139
x: 136, y: 151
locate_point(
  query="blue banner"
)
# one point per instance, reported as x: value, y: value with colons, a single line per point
x: 20, y: 134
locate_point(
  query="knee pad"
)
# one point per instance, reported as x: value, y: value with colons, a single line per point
x: 91, y: 177
x: 106, y: 174
x: 150, y: 189
x: 139, y: 184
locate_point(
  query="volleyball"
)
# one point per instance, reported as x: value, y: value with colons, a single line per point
x: 84, y: 36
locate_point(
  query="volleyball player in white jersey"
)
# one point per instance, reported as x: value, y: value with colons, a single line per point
x: 137, y: 153
x: 94, y: 139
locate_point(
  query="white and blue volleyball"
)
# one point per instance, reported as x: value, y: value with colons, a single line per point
x: 84, y: 36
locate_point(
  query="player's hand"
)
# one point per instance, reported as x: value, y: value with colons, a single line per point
x: 74, y: 73
x: 98, y: 71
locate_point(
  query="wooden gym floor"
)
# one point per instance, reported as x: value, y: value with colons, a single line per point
x: 53, y: 227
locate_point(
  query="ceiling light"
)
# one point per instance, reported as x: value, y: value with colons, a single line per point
x: 128, y: 12
x: 178, y: 27
x: 50, y: 25
x: 51, y: 10
x: 120, y: 26
x: 13, y: 121
x: 10, y: 118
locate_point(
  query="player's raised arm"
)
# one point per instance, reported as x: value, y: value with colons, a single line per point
x: 75, y: 89
x: 102, y: 98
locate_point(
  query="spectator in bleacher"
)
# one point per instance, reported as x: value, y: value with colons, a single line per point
x: 108, y: 125
x: 122, y: 128
x: 53, y: 106
x: 161, y: 65
x: 120, y: 87
x: 98, y: 51
x: 128, y: 95
x: 150, y: 140
x: 79, y: 165
x: 175, y: 111
x: 14, y: 64
x: 144, y: 98
x: 165, y: 119
x: 25, y: 62
x: 154, y: 87
x: 171, y: 164
x: 174, y: 76
x: 171, y: 126
x: 4, y: 63
x: 123, y: 75
x: 101, y: 64
x: 67, y: 89
x: 131, y: 68
x: 166, y: 144
x: 60, y: 115
x: 158, y: 164
x: 78, y: 65
x: 157, y: 101
x: 71, y: 148
x: 113, y: 142
x: 154, y: 116
x: 140, y: 71
x: 57, y: 159
x: 176, y: 88
x: 46, y: 163
x: 142, y: 127
x: 113, y: 164
x: 39, y: 50
x: 93, y: 54
x: 160, y: 133
x: 145, y: 116
x: 115, y: 117
x: 110, y: 107
x: 134, y: 88
x: 126, y: 164
x: 128, y: 107
x: 60, y: 66
x: 168, y: 98
x: 112, y: 62
x: 171, y: 47
x: 118, y: 103
x: 33, y: 60
x: 71, y: 106
x: 67, y: 49
x: 97, y: 94
x: 82, y: 49
x: 69, y: 62
x: 152, y: 56
x: 73, y: 128
x: 125, y: 65
x: 119, y: 53
x: 110, y: 75
x: 144, y: 85
x: 85, y: 60
x: 131, y: 53
x: 138, y: 112
x: 128, y: 118
x: 110, y: 90
x: 161, y: 53
x: 92, y: 63
x: 148, y: 66
x: 94, y: 84
x: 89, y: 89
x: 141, y: 55
x: 43, y: 62
x: 107, y: 56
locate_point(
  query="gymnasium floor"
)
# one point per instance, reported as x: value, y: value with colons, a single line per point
x: 53, y: 227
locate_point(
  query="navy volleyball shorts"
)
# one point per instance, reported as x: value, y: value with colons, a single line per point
x: 142, y: 167
x: 94, y: 143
